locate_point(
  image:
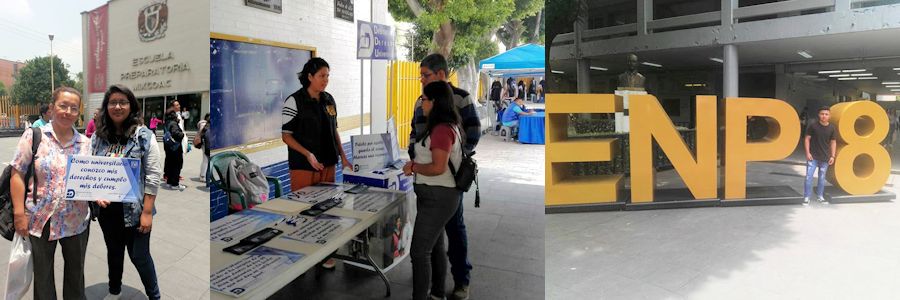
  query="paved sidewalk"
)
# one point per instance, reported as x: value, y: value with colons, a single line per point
x: 179, y: 242
x: 506, y: 236
x: 840, y: 251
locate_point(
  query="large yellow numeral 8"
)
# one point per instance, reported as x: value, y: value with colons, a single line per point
x: 862, y: 165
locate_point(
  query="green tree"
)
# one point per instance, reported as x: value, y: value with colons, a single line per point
x: 79, y: 82
x: 2, y: 90
x: 511, y: 31
x: 446, y: 19
x: 561, y: 15
x: 33, y: 81
x: 459, y: 29
x: 534, y: 28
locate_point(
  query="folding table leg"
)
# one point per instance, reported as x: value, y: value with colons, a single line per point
x: 387, y: 284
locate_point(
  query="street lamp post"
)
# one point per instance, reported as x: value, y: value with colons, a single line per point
x: 52, y: 87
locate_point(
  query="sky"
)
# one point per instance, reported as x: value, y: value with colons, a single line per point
x: 26, y: 24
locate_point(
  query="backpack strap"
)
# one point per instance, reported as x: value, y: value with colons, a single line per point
x: 36, y: 134
x: 461, y: 151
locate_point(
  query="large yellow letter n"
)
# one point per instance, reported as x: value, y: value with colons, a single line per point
x: 780, y: 142
x: 648, y: 122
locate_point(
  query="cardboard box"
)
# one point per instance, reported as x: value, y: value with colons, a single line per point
x: 386, y: 178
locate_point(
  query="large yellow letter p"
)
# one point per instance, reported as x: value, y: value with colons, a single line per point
x: 780, y: 142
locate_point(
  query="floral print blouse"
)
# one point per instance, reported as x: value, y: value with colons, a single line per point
x: 67, y: 218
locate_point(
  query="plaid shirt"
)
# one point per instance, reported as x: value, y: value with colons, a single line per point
x: 67, y: 218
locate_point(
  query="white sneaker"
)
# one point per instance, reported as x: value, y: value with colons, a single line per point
x: 822, y: 200
x: 111, y: 297
x: 805, y: 201
x: 181, y: 187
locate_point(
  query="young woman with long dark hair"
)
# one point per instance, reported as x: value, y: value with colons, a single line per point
x: 437, y: 198
x: 121, y: 133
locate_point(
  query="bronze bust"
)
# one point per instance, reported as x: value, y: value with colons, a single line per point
x: 631, y: 79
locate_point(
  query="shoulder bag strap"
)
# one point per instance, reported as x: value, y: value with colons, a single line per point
x: 35, y: 144
x: 461, y: 151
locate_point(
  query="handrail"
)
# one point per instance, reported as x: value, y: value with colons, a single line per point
x: 780, y: 7
x: 707, y: 17
x: 597, y: 32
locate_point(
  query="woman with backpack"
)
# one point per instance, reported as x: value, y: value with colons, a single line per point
x: 120, y: 133
x: 172, y: 142
x: 43, y: 215
x: 200, y: 140
x: 435, y: 186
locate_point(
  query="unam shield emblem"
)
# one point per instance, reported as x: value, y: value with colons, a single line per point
x: 153, y: 21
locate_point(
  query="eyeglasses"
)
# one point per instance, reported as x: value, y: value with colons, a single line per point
x: 67, y: 108
x: 425, y: 75
x: 113, y: 104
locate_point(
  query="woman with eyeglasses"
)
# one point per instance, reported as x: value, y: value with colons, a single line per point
x: 437, y: 198
x: 43, y: 215
x: 120, y: 133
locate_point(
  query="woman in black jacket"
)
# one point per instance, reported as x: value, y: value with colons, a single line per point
x: 174, y: 151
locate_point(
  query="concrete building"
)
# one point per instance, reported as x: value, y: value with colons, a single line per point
x: 157, y: 49
x: 807, y: 52
x: 8, y: 70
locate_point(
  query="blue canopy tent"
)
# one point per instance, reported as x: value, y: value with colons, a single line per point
x: 523, y: 61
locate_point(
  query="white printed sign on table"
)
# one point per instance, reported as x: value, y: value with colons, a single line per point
x: 372, y: 151
x: 253, y: 268
x: 236, y: 226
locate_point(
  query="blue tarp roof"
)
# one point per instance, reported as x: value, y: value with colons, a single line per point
x: 527, y: 59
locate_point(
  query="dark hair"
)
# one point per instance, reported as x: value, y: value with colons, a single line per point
x: 435, y: 62
x: 171, y: 107
x: 823, y: 108
x: 44, y: 108
x: 64, y: 89
x: 311, y: 67
x: 105, y: 126
x: 206, y: 117
x: 443, y: 111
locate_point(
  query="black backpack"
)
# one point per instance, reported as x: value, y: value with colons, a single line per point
x: 7, y: 226
x: 467, y: 173
x: 496, y: 89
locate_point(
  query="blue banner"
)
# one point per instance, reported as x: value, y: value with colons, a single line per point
x: 248, y: 85
x: 374, y: 41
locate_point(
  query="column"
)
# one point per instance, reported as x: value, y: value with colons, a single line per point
x: 730, y: 72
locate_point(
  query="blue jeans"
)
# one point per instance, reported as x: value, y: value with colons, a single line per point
x: 811, y: 167
x: 458, y: 244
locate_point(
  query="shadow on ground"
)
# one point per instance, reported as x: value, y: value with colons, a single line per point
x: 764, y: 252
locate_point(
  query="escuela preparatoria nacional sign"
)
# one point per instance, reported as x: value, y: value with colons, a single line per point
x: 861, y: 165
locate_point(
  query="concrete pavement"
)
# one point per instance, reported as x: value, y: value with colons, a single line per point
x: 506, y: 236
x: 840, y: 251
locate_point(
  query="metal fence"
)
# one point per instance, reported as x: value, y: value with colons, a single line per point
x: 12, y: 116
x: 403, y: 89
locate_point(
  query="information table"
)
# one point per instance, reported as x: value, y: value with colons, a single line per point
x: 531, y: 128
x: 306, y: 241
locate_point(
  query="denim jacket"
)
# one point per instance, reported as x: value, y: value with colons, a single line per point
x: 142, y: 145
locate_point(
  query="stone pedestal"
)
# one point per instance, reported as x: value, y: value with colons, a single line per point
x: 622, y: 117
